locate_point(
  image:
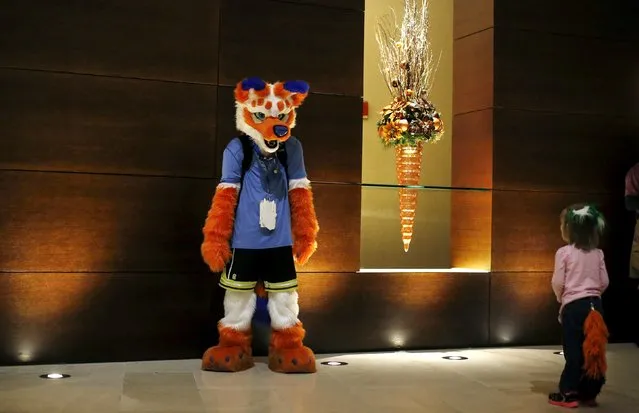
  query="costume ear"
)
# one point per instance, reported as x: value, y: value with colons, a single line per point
x: 298, y: 89
x: 253, y: 83
x: 242, y: 90
x: 297, y: 86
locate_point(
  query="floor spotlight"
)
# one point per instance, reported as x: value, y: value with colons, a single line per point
x: 54, y: 376
x: 455, y: 358
x: 334, y: 363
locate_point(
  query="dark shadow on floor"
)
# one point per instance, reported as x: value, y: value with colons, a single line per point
x: 543, y: 387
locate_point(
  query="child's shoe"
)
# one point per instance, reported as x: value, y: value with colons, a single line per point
x: 563, y: 400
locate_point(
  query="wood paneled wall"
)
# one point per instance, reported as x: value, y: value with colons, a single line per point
x: 113, y: 117
x: 369, y: 312
x: 545, y: 109
x: 114, y: 114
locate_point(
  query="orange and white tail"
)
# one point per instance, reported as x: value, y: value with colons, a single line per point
x: 594, y: 347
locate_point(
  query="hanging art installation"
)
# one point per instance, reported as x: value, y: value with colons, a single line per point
x: 411, y: 120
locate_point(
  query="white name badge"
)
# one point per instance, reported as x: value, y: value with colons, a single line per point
x: 268, y: 214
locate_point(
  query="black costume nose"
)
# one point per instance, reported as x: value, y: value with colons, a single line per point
x: 280, y: 130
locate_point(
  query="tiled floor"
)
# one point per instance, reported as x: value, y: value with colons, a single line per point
x: 490, y: 381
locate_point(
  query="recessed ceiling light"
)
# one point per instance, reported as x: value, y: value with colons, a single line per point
x: 559, y: 353
x: 55, y: 376
x: 334, y: 363
x: 455, y: 358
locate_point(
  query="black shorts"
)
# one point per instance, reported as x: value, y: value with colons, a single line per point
x: 274, y: 266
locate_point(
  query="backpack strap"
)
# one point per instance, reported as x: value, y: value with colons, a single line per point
x: 283, y: 157
x: 247, y: 149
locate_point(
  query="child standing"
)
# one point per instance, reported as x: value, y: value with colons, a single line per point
x: 579, y: 280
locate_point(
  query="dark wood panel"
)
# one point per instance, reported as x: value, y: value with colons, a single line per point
x: 471, y: 229
x: 329, y: 127
x: 365, y: 312
x: 342, y: 4
x: 592, y: 18
x: 338, y: 211
x: 95, y: 124
x: 553, y: 73
x: 45, y: 316
x: 472, y: 153
x: 472, y: 16
x: 159, y: 39
x: 561, y: 152
x: 73, y: 222
x: 621, y: 298
x: 67, y: 318
x: 526, y: 229
x: 473, y: 72
x: 255, y: 41
x: 523, y: 309
x: 57, y: 222
x: 331, y: 130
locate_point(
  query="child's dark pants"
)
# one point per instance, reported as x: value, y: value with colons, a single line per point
x: 572, y: 321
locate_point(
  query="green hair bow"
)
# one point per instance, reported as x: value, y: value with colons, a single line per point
x: 585, y: 212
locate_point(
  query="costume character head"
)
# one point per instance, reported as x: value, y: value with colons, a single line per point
x: 266, y: 111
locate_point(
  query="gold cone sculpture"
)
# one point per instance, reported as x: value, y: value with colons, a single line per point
x: 408, y: 165
x: 408, y: 67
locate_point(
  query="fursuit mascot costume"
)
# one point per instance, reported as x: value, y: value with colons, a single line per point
x: 261, y: 222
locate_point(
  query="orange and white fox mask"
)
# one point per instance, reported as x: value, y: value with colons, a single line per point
x: 266, y: 111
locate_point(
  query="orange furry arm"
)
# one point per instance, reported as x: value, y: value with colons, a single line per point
x: 304, y: 224
x: 218, y: 229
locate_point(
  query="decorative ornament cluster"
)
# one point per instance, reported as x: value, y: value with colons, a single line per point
x: 408, y: 66
x: 410, y: 122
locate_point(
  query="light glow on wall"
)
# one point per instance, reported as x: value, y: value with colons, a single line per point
x: 397, y: 339
x: 421, y: 270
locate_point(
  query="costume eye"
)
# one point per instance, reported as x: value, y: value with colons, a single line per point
x: 259, y: 116
x: 282, y: 116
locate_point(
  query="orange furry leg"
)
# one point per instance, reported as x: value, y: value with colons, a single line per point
x: 218, y: 229
x: 232, y: 354
x: 594, y: 347
x: 304, y: 224
x: 287, y: 354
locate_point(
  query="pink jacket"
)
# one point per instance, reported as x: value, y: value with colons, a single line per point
x: 578, y: 274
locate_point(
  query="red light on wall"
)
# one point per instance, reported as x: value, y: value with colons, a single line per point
x: 365, y: 110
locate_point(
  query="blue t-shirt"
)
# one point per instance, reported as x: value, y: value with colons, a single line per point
x: 265, y: 179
